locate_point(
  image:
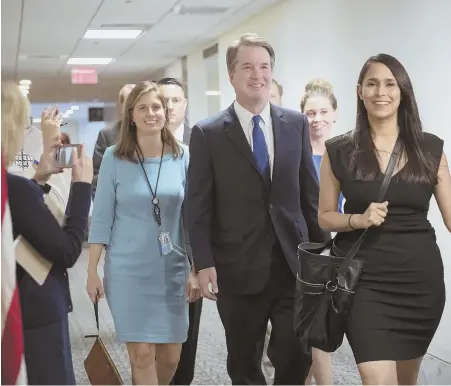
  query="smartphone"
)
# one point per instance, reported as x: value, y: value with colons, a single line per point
x: 63, y: 155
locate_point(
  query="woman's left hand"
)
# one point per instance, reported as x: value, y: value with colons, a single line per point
x: 46, y: 167
x: 193, y: 288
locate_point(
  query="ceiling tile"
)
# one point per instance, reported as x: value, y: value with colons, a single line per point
x: 11, y: 13
x: 40, y: 66
x: 216, y: 3
x: 49, y: 28
x: 132, y: 11
x: 102, y: 48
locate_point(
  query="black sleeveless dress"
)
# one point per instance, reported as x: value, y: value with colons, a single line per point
x: 401, y: 294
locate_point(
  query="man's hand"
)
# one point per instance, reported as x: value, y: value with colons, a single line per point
x: 207, y: 276
x: 192, y: 288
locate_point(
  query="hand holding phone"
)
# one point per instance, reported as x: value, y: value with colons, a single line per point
x: 63, y: 155
x: 82, y: 169
x: 50, y: 125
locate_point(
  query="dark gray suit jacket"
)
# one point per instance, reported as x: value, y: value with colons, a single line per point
x: 234, y: 216
x: 186, y: 134
x: 107, y: 137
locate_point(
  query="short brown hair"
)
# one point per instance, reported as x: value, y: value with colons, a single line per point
x: 127, y: 147
x: 247, y: 40
x: 65, y: 139
x: 121, y: 96
x: 279, y: 87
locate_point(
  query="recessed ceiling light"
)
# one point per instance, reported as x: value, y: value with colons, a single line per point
x: 112, y: 33
x: 75, y: 108
x: 25, y: 82
x: 213, y: 93
x: 69, y: 112
x: 89, y: 61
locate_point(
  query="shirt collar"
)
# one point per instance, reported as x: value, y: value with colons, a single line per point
x: 180, y: 131
x: 247, y: 116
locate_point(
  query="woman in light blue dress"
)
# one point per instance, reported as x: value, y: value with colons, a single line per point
x: 320, y: 106
x: 137, y: 217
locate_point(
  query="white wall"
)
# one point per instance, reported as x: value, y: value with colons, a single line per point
x: 197, y: 85
x: 174, y: 70
x: 332, y: 39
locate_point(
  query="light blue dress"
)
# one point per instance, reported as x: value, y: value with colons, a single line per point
x: 145, y: 290
x: 317, y: 162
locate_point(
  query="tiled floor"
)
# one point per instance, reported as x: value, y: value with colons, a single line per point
x: 211, y: 355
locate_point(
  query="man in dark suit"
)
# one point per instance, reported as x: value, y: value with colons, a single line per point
x: 174, y: 94
x: 109, y: 135
x: 252, y: 198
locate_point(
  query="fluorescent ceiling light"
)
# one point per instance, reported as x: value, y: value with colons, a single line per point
x: 75, y: 108
x: 112, y: 33
x: 89, y: 61
x: 69, y: 112
x: 212, y: 93
x: 36, y: 120
x: 25, y: 82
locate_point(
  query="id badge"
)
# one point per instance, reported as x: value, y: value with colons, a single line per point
x: 165, y: 243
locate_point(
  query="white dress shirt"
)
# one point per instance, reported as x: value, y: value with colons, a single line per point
x: 179, y: 132
x: 245, y: 118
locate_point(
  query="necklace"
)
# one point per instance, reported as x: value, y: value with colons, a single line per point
x: 383, y: 151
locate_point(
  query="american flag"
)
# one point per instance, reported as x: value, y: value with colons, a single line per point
x: 13, y: 363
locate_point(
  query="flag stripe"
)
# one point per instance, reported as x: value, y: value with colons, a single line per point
x: 13, y: 363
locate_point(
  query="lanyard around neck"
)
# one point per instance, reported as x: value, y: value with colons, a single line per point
x: 155, y: 200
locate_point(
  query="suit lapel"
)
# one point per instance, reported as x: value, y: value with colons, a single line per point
x: 236, y: 135
x: 278, y: 126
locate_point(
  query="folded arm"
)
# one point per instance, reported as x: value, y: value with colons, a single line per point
x: 35, y: 222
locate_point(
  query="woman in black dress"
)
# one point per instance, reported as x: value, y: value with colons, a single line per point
x: 401, y: 294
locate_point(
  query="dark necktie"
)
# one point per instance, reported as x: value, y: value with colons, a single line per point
x: 260, y: 149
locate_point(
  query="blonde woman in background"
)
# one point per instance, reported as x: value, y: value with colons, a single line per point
x: 44, y: 307
x: 320, y: 106
x: 137, y: 217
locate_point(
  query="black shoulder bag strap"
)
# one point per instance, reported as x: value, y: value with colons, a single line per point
x: 383, y: 189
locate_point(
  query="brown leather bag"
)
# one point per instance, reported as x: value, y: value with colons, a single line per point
x: 99, y: 366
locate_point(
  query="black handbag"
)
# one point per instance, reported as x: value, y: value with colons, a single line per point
x: 326, y: 284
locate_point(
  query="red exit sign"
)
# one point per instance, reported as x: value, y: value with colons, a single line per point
x: 84, y: 75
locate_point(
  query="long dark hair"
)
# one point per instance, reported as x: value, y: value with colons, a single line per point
x: 420, y: 166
